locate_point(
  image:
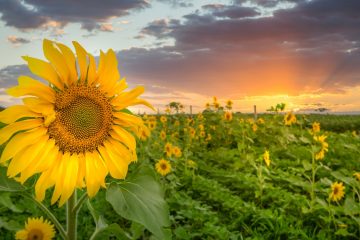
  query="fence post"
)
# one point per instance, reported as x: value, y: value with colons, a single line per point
x: 190, y: 109
x: 255, y: 113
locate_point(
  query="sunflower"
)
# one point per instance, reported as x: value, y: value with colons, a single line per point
x: 208, y: 138
x: 168, y: 149
x: 266, y: 157
x: 36, y: 229
x: 75, y: 130
x: 315, y: 127
x: 163, y: 119
x: 162, y: 134
x: 207, y: 105
x: 324, y: 146
x: 163, y: 167
x: 261, y: 121
x: 176, y: 151
x: 357, y: 175
x: 229, y: 104
x: 228, y: 116
x: 337, y: 191
x: 254, y: 127
x: 289, y: 118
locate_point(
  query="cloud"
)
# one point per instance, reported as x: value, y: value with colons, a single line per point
x: 298, y: 48
x: 178, y: 3
x: 17, y: 40
x: 31, y: 14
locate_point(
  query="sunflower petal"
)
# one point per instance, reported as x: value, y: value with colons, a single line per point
x: 70, y: 61
x: 10, y: 130
x: 82, y: 61
x: 123, y: 136
x: 13, y: 113
x: 59, y: 176
x: 41, y: 162
x: 44, y: 70
x: 117, y: 167
x: 29, y: 86
x: 110, y: 75
x: 92, y: 184
x: 39, y: 106
x: 92, y: 70
x: 21, y: 160
x: 20, y: 141
x: 57, y: 60
x: 69, y: 179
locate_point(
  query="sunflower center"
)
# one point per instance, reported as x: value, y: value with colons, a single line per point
x: 163, y: 166
x: 35, y: 234
x: 83, y: 119
x: 336, y: 190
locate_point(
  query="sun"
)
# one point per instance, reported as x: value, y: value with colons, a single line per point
x: 74, y: 131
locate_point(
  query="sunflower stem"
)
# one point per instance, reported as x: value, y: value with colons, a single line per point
x: 49, y: 214
x: 79, y: 203
x: 71, y: 217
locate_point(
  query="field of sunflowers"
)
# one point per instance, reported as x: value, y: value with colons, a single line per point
x: 75, y: 163
x: 224, y: 175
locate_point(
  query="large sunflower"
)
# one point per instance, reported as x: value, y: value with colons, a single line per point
x: 75, y: 130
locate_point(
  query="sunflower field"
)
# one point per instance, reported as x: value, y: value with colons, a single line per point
x: 226, y: 176
x: 76, y: 163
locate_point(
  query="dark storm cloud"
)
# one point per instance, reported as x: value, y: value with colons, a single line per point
x: 29, y: 14
x: 318, y: 41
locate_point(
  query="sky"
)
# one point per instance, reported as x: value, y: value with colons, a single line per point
x: 305, y: 53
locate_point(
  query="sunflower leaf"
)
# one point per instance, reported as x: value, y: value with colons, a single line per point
x: 8, y: 184
x: 140, y: 199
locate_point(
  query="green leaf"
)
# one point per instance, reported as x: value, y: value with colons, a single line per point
x: 140, y: 199
x: 8, y: 184
x: 9, y: 225
x: 351, y: 207
x: 104, y: 230
x: 6, y: 201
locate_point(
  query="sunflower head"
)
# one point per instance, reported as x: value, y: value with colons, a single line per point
x: 74, y: 129
x: 163, y: 167
x: 163, y: 119
x: 36, y: 229
x: 163, y: 135
x: 315, y: 127
x: 289, y: 118
x: 176, y: 151
x: 228, y: 116
x: 337, y: 191
x: 168, y: 149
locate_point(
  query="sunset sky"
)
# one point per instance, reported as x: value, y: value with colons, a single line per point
x: 301, y: 52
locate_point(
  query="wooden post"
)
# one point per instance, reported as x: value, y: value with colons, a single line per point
x: 190, y: 109
x: 158, y: 111
x: 255, y: 113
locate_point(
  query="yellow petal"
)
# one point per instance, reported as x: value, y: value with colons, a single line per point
x: 39, y: 106
x: 46, y: 179
x: 92, y: 76
x: 117, y: 148
x: 44, y: 70
x: 128, y: 96
x: 29, y: 86
x: 137, y: 101
x: 102, y: 63
x: 69, y: 179
x: 81, y: 171
x: 59, y: 176
x: 125, y: 117
x: 22, y: 159
x: 57, y: 60
x: 82, y: 61
x: 11, y: 129
x: 123, y: 136
x: 92, y: 184
x: 102, y: 170
x: 13, y: 113
x: 41, y: 162
x: 110, y: 75
x: 70, y: 62
x: 117, y: 167
x: 20, y: 141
